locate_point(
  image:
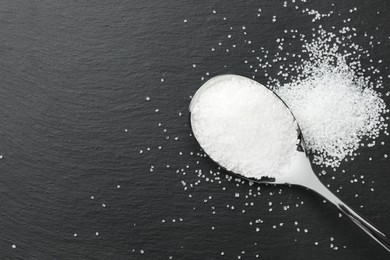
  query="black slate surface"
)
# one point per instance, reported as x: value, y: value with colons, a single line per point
x: 75, y: 74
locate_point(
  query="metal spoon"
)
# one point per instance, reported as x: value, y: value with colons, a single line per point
x: 301, y: 172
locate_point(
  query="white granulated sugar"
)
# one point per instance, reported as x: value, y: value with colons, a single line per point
x: 336, y: 109
x: 245, y: 128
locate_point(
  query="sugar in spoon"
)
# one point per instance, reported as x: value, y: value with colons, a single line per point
x: 299, y: 171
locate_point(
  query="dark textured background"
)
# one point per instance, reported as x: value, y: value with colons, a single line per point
x: 74, y: 75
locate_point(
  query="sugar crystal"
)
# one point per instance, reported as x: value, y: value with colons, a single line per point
x: 245, y: 128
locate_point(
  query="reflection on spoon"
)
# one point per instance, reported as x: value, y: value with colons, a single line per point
x: 248, y: 130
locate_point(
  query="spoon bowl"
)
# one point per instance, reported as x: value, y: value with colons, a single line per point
x: 300, y: 171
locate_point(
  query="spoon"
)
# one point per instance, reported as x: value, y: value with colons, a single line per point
x: 300, y: 171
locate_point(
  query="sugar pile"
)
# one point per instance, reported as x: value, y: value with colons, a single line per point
x: 245, y: 128
x: 337, y: 108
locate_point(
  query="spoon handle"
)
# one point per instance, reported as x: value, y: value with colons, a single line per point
x: 359, y: 220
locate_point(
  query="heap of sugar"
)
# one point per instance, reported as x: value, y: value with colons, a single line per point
x: 245, y: 128
x: 337, y: 108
